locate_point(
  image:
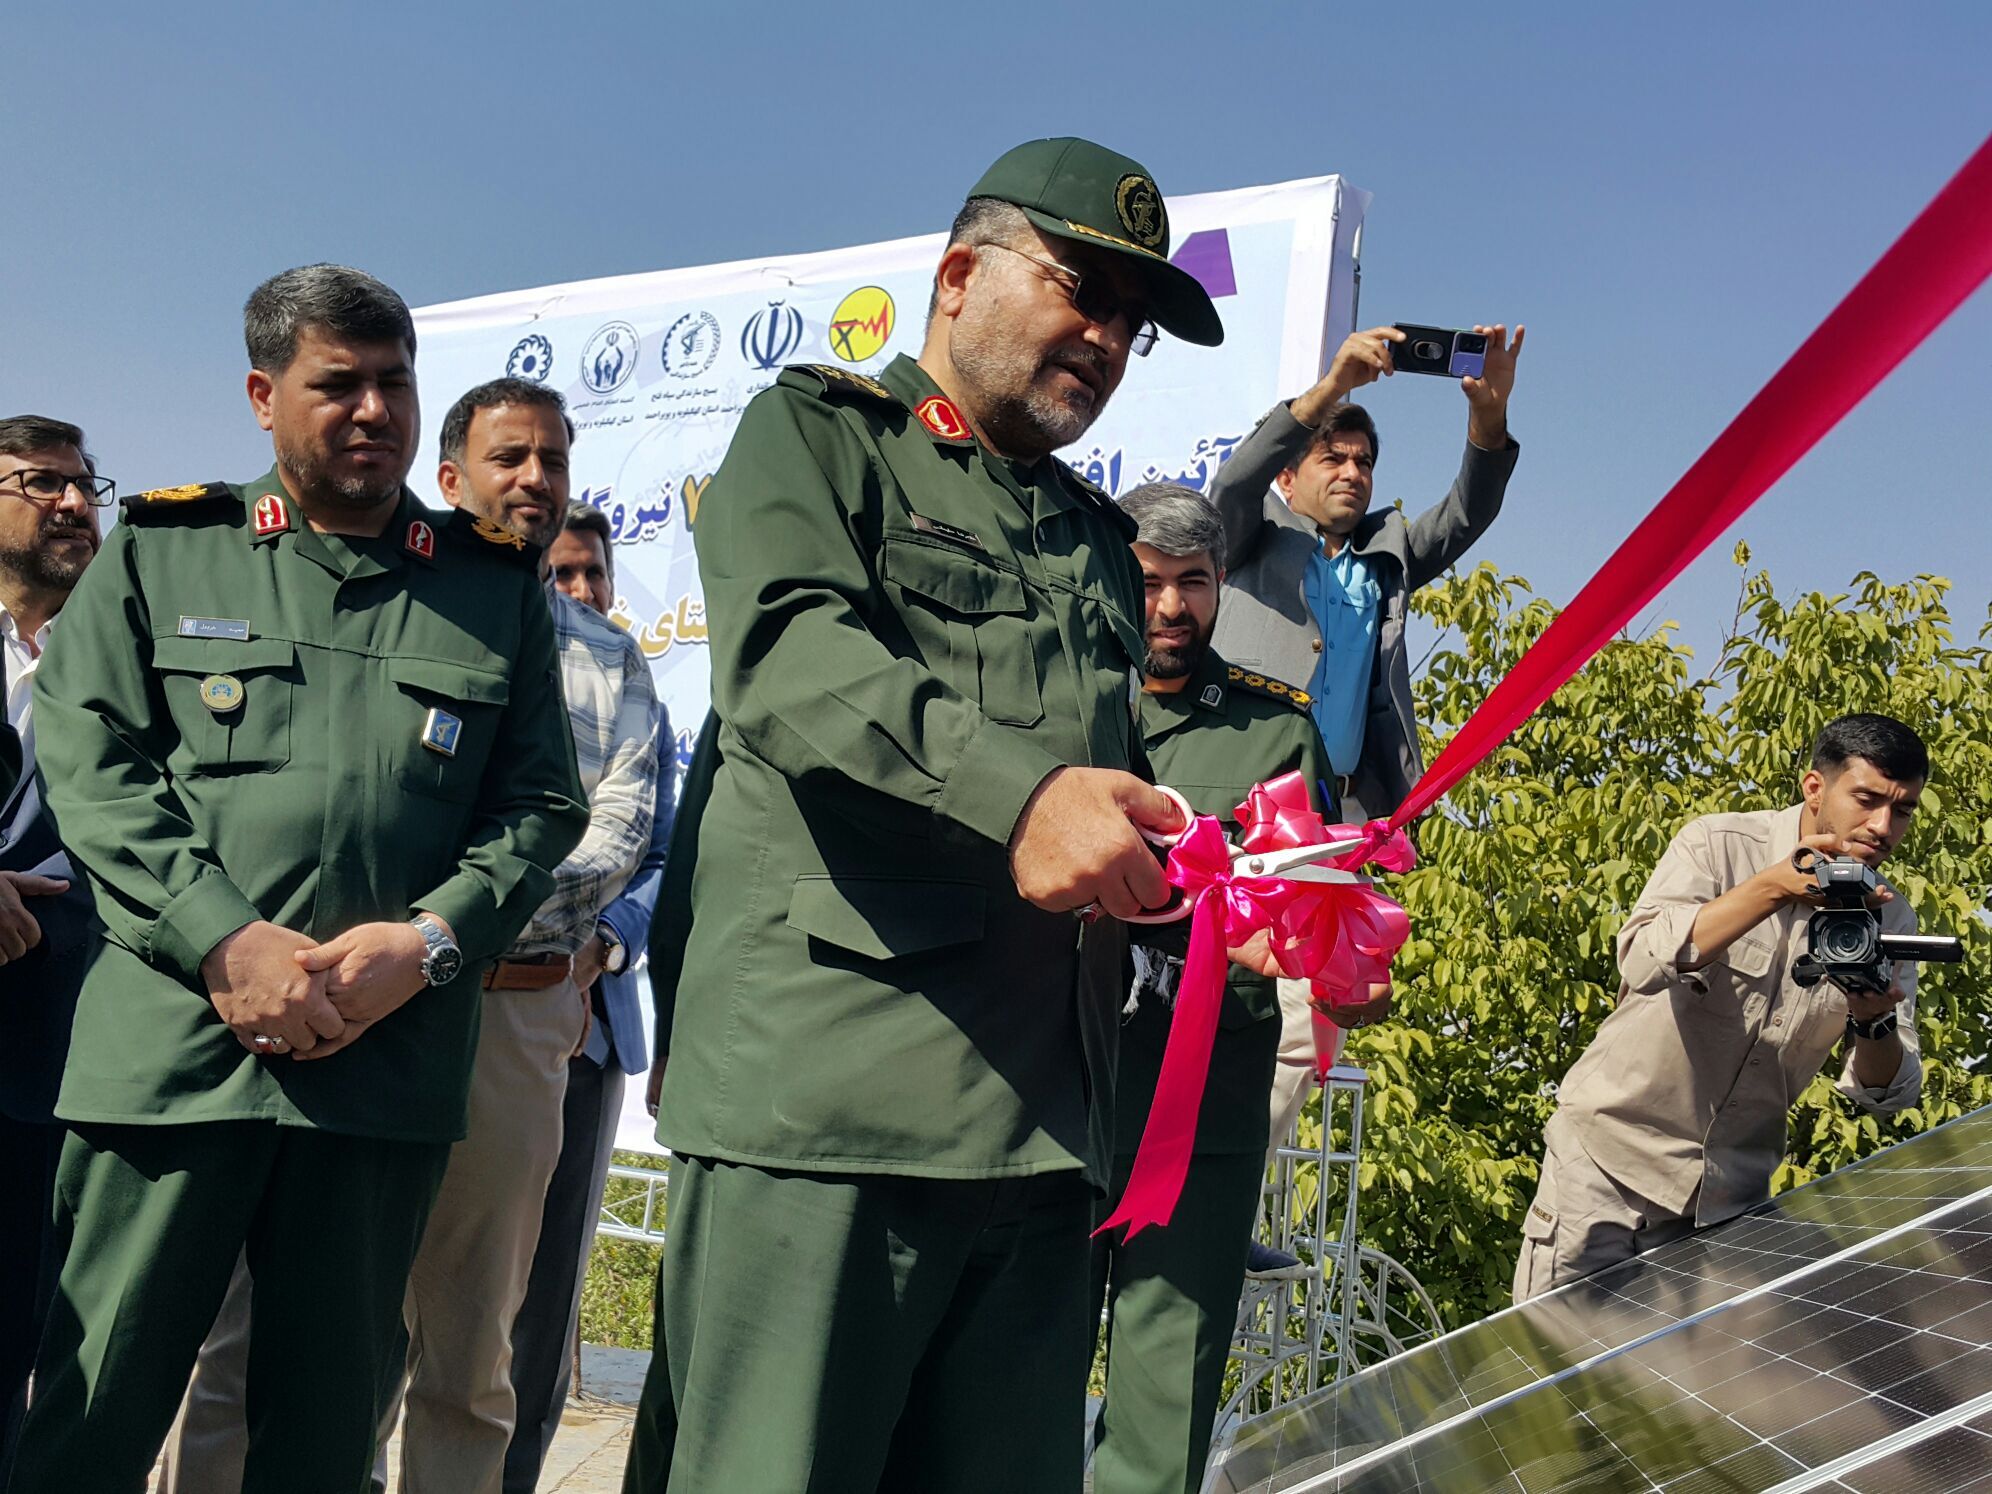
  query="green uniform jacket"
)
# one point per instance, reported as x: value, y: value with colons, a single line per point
x: 310, y: 800
x: 908, y: 635
x: 1211, y: 741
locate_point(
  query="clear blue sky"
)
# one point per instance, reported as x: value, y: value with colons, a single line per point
x: 1670, y: 197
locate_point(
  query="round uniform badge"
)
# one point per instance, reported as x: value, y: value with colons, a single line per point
x: 221, y: 692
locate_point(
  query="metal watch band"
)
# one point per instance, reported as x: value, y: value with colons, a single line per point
x: 444, y: 960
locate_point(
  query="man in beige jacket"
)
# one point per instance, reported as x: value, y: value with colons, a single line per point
x: 1674, y: 1117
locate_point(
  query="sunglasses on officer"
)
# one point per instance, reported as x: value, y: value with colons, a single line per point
x: 1094, y: 299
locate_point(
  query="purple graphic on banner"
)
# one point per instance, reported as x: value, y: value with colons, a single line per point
x: 1207, y: 256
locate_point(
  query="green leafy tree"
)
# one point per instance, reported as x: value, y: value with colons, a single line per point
x: 1530, y: 866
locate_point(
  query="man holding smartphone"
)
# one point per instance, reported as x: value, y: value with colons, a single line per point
x: 1319, y: 590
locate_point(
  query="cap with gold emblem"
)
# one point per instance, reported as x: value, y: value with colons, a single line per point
x: 1074, y: 189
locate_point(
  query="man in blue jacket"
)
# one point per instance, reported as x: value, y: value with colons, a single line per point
x: 583, y: 562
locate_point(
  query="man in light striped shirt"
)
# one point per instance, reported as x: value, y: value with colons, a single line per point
x: 504, y: 449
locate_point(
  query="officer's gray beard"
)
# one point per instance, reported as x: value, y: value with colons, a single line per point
x: 1023, y: 418
x: 307, y: 471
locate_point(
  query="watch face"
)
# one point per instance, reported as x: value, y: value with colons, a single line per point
x: 442, y: 966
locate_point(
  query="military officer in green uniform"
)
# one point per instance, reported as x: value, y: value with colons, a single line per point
x: 891, y: 1052
x: 306, y: 738
x: 1211, y: 731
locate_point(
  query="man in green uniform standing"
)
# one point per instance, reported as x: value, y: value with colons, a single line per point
x: 891, y: 1052
x: 1211, y: 731
x: 306, y: 739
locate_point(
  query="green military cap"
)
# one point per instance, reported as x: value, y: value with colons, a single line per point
x: 1077, y: 190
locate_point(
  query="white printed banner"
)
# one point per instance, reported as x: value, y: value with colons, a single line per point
x: 656, y: 369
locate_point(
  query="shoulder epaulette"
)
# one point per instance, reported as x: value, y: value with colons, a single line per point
x: 476, y: 532
x: 159, y: 503
x: 821, y: 379
x: 1272, y: 689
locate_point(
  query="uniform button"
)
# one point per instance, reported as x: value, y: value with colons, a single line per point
x: 1317, y: 645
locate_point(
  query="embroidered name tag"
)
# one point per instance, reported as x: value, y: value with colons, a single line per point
x: 215, y: 627
x: 963, y: 537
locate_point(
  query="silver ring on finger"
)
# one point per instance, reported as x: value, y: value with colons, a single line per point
x: 263, y: 1043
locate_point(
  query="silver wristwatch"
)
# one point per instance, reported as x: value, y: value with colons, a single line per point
x: 444, y: 961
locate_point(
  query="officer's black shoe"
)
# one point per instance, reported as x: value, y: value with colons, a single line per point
x: 1261, y: 1259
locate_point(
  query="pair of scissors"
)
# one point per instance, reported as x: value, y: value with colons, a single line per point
x: 1294, y: 864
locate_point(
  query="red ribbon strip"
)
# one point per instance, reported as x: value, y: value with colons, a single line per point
x: 1941, y: 258
x: 1339, y: 936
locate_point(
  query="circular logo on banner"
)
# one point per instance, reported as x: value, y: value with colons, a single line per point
x: 771, y: 336
x: 691, y: 344
x: 609, y: 357
x: 531, y: 359
x: 1141, y: 212
x: 861, y: 324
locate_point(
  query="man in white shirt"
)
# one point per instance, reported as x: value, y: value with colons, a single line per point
x: 49, y: 495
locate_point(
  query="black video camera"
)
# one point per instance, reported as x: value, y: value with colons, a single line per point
x: 1844, y: 942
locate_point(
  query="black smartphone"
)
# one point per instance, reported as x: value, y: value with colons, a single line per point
x: 1440, y: 350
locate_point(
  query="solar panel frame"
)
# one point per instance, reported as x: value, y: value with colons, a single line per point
x: 1770, y: 1347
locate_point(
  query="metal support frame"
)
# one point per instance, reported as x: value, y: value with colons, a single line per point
x: 1344, y: 1306
x: 637, y: 1216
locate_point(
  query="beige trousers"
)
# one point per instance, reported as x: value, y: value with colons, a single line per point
x: 1293, y: 1074
x: 1583, y: 1220
x: 464, y: 1291
x: 470, y: 1274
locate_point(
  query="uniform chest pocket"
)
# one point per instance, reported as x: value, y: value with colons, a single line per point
x: 230, y: 699
x: 443, y: 725
x: 976, y: 616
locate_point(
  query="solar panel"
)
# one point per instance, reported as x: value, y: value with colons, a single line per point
x: 1834, y: 1338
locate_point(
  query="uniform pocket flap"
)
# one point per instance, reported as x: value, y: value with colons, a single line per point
x: 1749, y: 956
x: 884, y: 917
x: 177, y: 655
x: 951, y: 577
x: 1538, y: 1223
x: 458, y: 681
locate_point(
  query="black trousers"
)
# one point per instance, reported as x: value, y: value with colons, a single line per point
x: 28, y: 1263
x: 543, y: 1332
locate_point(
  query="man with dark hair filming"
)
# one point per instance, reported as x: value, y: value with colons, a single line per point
x: 1674, y: 1117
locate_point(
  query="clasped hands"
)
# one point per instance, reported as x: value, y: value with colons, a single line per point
x: 308, y: 999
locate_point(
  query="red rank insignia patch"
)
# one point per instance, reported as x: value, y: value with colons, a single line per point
x: 421, y: 540
x: 272, y: 516
x: 940, y: 416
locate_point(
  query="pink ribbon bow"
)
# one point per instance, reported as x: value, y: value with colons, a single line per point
x: 1338, y: 936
